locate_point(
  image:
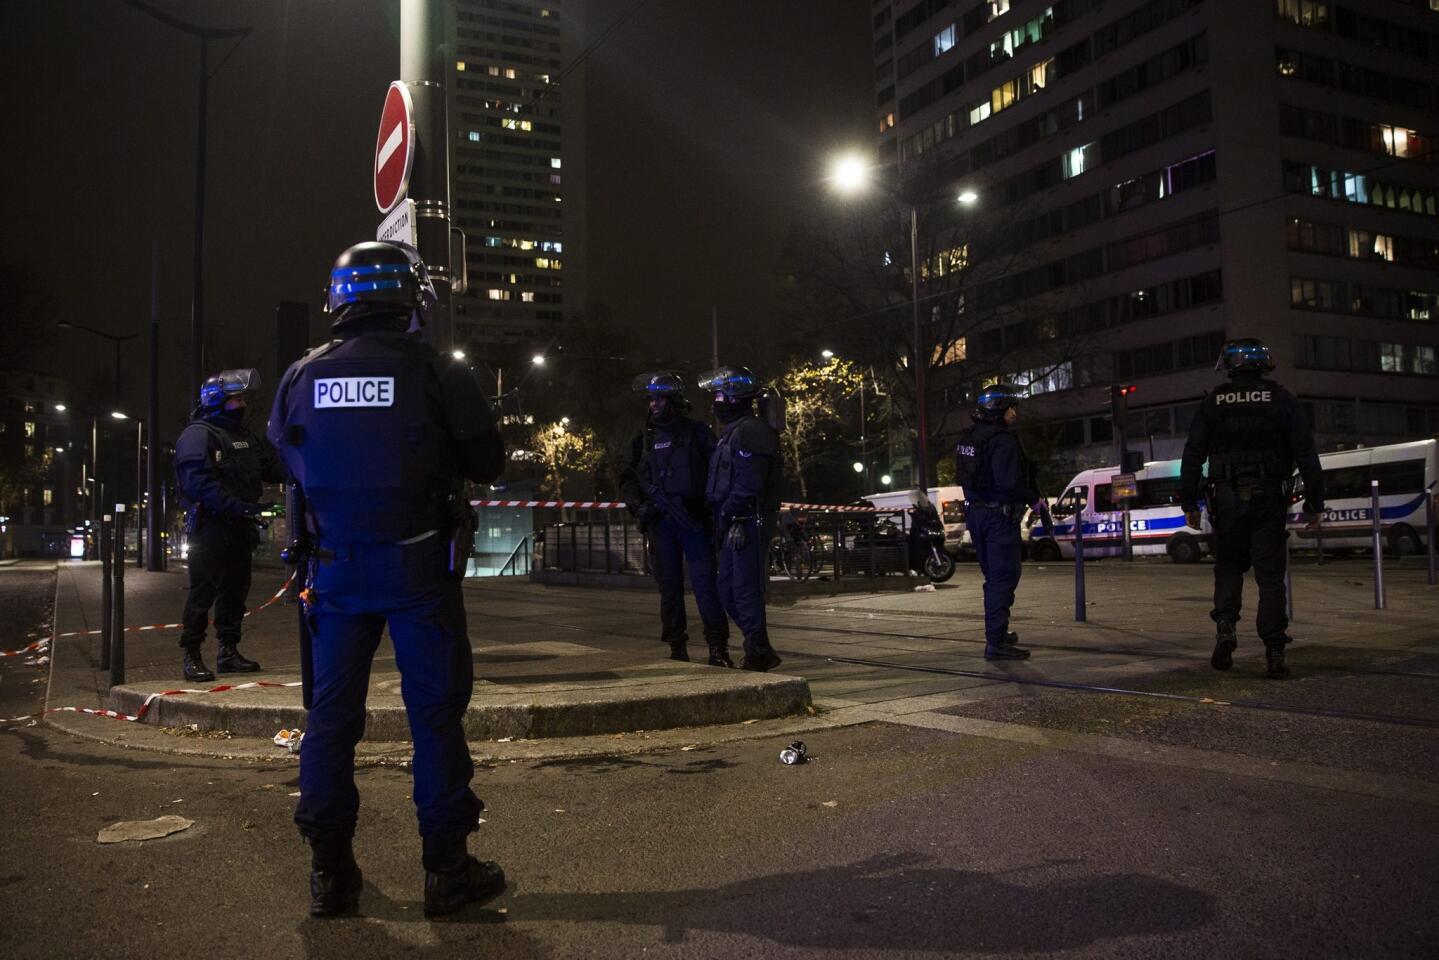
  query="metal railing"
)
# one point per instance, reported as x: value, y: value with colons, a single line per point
x: 511, y: 567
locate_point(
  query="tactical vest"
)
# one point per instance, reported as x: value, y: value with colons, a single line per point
x: 362, y: 442
x: 671, y: 459
x: 235, y: 458
x: 971, y: 461
x: 722, y: 465
x: 1249, y: 440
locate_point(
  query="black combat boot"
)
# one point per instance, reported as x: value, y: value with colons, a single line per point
x: 1224, y: 643
x: 679, y: 648
x: 1006, y: 648
x: 718, y: 651
x: 1011, y: 643
x: 230, y: 660
x: 195, y: 669
x: 335, y: 878
x: 453, y: 878
x: 765, y: 659
x: 1274, y: 654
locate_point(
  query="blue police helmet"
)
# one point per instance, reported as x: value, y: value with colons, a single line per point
x: 1245, y: 355
x: 994, y: 399
x: 660, y: 383
x: 226, y: 384
x: 378, y: 278
x: 736, y: 383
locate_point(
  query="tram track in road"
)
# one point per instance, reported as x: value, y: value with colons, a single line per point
x: 778, y: 619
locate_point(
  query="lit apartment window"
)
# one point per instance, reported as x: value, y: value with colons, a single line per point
x: 527, y: 296
x: 1076, y: 161
x: 47, y: 496
x: 509, y: 73
x: 554, y: 163
x: 1306, y: 13
x: 954, y: 353
x: 460, y: 65
x: 1037, y: 74
x: 998, y: 8
x: 944, y: 40
x: 493, y: 71
x: 979, y: 112
x: 29, y: 428
x: 474, y: 136
x: 495, y: 293
x: 1384, y: 247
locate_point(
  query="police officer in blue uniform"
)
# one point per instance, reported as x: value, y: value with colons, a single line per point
x: 1252, y: 432
x: 378, y: 431
x: 220, y: 470
x: 743, y: 491
x: 998, y: 484
x: 664, y: 486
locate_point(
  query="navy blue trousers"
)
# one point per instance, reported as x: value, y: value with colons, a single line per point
x: 364, y: 589
x: 1250, y: 532
x: 742, y: 577
x: 219, y: 564
x: 673, y: 548
x: 998, y: 546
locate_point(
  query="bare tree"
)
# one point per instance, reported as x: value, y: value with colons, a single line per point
x: 814, y: 394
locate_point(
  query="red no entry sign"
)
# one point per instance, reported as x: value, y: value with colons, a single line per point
x: 394, y: 148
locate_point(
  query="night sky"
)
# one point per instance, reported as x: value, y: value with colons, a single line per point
x: 707, y: 129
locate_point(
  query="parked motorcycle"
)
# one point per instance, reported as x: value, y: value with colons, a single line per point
x: 926, y: 542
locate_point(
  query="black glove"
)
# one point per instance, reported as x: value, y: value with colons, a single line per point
x: 737, y: 536
x: 1313, y: 507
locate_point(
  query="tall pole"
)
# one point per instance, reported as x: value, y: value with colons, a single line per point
x: 154, y: 512
x: 197, y: 294
x: 714, y: 337
x: 921, y: 471
x: 425, y: 45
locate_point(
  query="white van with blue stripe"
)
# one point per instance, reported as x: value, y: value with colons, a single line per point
x: 1156, y: 520
x: 1407, y: 473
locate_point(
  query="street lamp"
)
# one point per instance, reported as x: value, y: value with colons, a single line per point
x: 538, y: 359
x: 458, y: 354
x: 851, y: 174
x: 858, y: 467
x: 827, y: 354
x: 886, y: 479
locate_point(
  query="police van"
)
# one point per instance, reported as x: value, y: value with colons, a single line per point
x: 950, y: 503
x: 1407, y: 473
x: 1156, y: 519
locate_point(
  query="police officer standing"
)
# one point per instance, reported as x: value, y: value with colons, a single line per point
x: 743, y: 491
x: 220, y: 470
x: 664, y: 486
x: 1252, y: 433
x: 378, y: 431
x: 998, y: 485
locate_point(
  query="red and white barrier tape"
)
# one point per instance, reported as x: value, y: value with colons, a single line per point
x: 44, y: 642
x: 145, y: 707
x: 620, y: 505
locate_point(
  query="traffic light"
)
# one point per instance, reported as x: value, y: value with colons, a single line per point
x: 1119, y: 401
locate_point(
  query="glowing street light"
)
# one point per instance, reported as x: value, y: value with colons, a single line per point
x: 119, y: 415
x: 849, y: 173
x: 827, y: 354
x: 60, y: 408
x: 538, y: 359
x: 858, y: 467
x: 967, y: 197
x: 458, y: 354
x: 886, y: 479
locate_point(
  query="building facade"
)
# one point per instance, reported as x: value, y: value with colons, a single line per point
x: 1172, y: 173
x: 43, y: 469
x: 517, y: 166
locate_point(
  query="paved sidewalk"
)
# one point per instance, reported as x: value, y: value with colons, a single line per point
x: 532, y: 680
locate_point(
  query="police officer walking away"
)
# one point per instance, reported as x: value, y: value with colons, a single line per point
x: 378, y: 431
x: 220, y: 470
x: 1252, y: 432
x: 743, y: 491
x: 998, y: 485
x: 664, y: 486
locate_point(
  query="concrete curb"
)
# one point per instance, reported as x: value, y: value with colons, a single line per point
x: 531, y: 713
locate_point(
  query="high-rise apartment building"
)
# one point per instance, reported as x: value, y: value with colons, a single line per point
x: 517, y: 165
x: 1172, y: 173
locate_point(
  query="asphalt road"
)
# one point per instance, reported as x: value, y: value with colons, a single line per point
x: 985, y: 818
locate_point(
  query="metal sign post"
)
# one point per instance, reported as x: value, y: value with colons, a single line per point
x: 105, y: 583
x: 117, y: 596
x: 1080, y: 614
x: 1378, y: 545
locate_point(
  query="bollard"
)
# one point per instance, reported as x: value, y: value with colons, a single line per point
x: 1378, y: 545
x: 105, y: 583
x: 117, y: 596
x: 1080, y: 615
x: 1429, y: 535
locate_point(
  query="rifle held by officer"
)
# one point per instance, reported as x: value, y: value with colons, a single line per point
x: 654, y: 495
x: 465, y: 521
x: 300, y: 554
